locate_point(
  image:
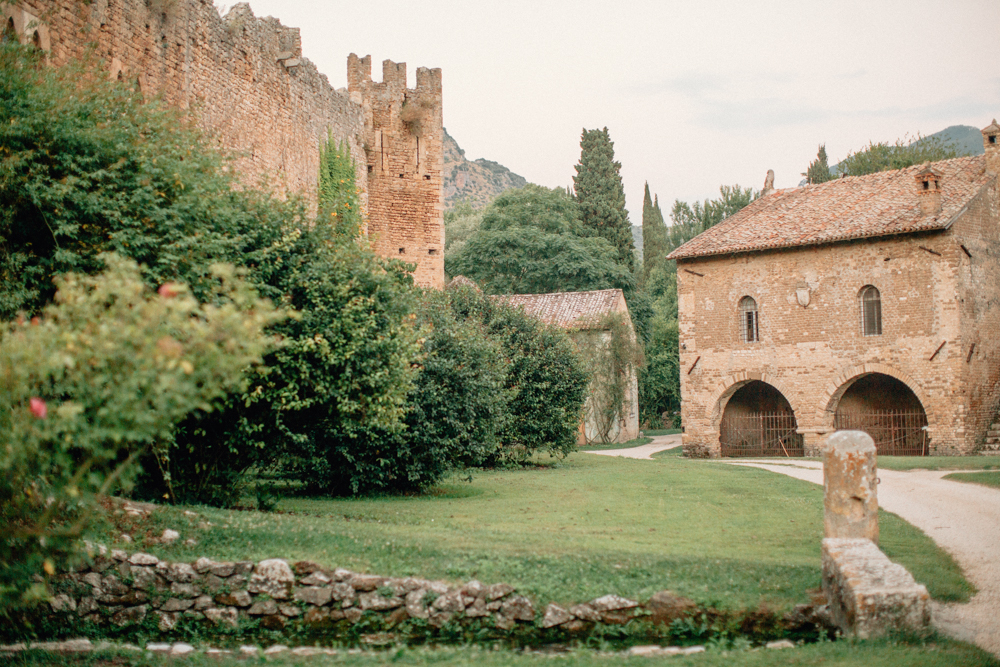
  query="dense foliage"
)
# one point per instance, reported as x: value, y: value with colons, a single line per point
x: 345, y: 367
x: 460, y: 223
x: 531, y: 241
x: 337, y: 192
x: 545, y: 376
x: 86, y: 167
x: 102, y: 376
x: 883, y: 156
x: 601, y: 195
x: 654, y: 235
x: 819, y: 169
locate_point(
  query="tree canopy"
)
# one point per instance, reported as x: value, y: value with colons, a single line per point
x: 819, y: 169
x: 883, y: 156
x: 654, y: 235
x: 601, y: 196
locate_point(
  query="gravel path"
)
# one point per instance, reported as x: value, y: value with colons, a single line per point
x: 659, y: 443
x: 964, y: 519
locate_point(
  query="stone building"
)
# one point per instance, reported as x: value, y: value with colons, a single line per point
x: 585, y: 316
x: 245, y: 81
x: 869, y: 302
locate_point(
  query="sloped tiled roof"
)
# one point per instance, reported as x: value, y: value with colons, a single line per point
x: 569, y: 310
x: 881, y: 204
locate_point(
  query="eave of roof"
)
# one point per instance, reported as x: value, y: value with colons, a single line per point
x: 877, y: 205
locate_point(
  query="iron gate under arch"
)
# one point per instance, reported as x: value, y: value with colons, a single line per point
x: 760, y: 434
x: 896, y: 433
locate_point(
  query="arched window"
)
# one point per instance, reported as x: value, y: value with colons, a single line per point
x: 871, y: 311
x: 749, y: 324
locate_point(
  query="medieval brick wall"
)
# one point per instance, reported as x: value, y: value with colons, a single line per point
x: 977, y: 275
x: 403, y: 137
x: 931, y: 293
x: 254, y: 95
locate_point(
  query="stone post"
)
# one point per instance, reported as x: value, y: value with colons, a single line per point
x: 849, y: 486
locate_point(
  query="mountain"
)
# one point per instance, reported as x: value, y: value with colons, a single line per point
x: 476, y: 181
x: 967, y: 140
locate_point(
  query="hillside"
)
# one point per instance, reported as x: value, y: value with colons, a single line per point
x: 967, y: 140
x: 477, y: 181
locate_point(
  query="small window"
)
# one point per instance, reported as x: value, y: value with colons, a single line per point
x: 402, y: 251
x: 871, y: 311
x: 432, y: 251
x: 749, y: 321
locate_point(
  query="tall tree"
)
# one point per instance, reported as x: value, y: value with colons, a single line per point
x: 819, y: 169
x: 692, y: 219
x: 654, y: 235
x: 601, y: 196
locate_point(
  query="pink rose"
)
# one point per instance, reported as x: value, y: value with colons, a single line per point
x: 38, y: 408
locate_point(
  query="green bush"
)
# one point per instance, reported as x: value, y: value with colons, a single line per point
x: 546, y: 378
x: 456, y: 413
x: 87, y: 167
x: 104, y: 374
x: 346, y: 367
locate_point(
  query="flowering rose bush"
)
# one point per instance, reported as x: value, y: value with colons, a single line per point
x: 103, y: 375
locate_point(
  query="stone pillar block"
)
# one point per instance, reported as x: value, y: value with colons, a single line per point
x: 850, y: 500
x: 869, y: 595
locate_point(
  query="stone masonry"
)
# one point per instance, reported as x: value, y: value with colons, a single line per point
x: 927, y: 238
x: 850, y: 486
x: 246, y: 82
x: 868, y: 594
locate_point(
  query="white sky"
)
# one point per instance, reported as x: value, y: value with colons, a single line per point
x: 695, y: 94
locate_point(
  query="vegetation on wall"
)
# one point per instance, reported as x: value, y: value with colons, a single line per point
x: 337, y: 192
x: 610, y: 350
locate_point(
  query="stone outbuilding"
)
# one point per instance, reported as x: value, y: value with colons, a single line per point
x: 868, y: 302
x: 586, y: 316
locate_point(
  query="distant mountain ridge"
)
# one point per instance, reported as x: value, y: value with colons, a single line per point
x: 966, y: 139
x: 475, y: 181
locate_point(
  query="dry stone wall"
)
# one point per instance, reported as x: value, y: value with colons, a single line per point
x: 246, y: 82
x: 123, y: 589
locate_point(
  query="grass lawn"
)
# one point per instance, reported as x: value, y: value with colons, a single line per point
x: 985, y: 478
x: 939, y: 653
x: 595, y: 447
x: 730, y: 537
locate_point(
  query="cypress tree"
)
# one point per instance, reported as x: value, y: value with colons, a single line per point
x: 819, y: 169
x: 654, y: 235
x: 601, y: 196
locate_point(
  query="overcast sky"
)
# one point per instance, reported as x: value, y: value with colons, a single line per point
x: 695, y: 94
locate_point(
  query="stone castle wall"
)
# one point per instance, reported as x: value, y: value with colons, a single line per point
x: 931, y: 292
x: 254, y: 95
x: 404, y: 133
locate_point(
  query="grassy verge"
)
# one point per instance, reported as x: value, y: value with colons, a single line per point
x: 661, y: 431
x: 728, y: 537
x: 939, y: 462
x: 938, y: 653
x: 984, y: 478
x: 595, y: 447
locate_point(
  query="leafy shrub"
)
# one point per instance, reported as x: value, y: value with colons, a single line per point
x: 87, y: 167
x: 456, y: 413
x: 546, y: 378
x: 345, y: 368
x: 104, y: 374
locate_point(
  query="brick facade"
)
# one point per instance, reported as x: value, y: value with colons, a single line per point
x: 254, y: 95
x: 940, y: 307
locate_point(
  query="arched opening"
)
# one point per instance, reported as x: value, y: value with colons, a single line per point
x: 9, y: 33
x: 759, y: 421
x: 888, y: 411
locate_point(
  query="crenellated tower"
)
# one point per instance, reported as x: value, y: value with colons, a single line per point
x: 403, y: 142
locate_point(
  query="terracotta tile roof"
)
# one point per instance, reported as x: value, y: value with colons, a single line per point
x: 856, y: 207
x: 569, y: 310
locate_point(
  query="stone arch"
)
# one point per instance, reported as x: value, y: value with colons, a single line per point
x: 758, y: 420
x: 736, y: 381
x: 839, y: 386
